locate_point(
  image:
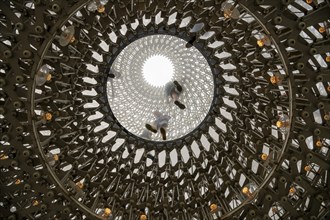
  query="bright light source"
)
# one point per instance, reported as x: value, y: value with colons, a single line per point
x: 158, y: 70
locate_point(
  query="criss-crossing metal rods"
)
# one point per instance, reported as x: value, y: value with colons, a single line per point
x: 262, y: 150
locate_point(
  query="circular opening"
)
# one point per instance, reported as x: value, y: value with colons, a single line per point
x: 158, y: 89
x: 158, y: 70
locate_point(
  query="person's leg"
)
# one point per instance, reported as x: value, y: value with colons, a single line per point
x: 175, y: 97
x: 178, y: 86
x: 163, y: 132
x: 152, y: 127
x: 179, y: 104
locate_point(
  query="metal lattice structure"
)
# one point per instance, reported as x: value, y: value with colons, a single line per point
x: 261, y: 151
x: 132, y: 99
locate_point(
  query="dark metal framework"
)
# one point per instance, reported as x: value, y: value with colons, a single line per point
x: 270, y: 65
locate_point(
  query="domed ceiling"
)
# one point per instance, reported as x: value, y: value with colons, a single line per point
x: 75, y: 102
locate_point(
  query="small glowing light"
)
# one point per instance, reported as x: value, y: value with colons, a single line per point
x: 292, y: 190
x: 307, y: 168
x: 56, y: 157
x: 283, y: 123
x: 213, y: 207
x: 264, y: 41
x: 143, y: 217
x: 101, y: 9
x: 321, y: 30
x: 326, y: 117
x: 47, y: 116
x: 260, y: 43
x: 328, y: 88
x: 249, y: 189
x: 227, y: 14
x: 279, y: 124
x: 318, y: 143
x: 327, y: 59
x: 276, y: 79
x: 35, y: 203
x: 309, y: 1
x: 264, y: 156
x: 80, y: 185
x: 158, y: 70
x: 245, y: 190
x: 17, y: 181
x: 107, y: 212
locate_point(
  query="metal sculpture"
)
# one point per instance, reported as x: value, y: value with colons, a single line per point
x: 260, y: 152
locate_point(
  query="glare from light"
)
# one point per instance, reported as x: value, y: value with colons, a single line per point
x: 158, y: 70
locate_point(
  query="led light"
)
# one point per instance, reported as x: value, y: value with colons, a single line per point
x: 327, y: 59
x: 80, y: 185
x: 264, y: 41
x: 101, y: 9
x: 47, y: 116
x: 230, y: 11
x: 17, y: 181
x: 328, y: 88
x: 264, y: 156
x: 245, y: 190
x: 213, y: 207
x: 292, y: 190
x: 67, y: 36
x: 276, y: 79
x: 260, y: 43
x: 307, y: 168
x: 35, y: 203
x: 283, y: 123
x: 43, y: 75
x: 56, y: 157
x: 249, y: 189
x: 97, y: 5
x: 309, y: 1
x: 107, y: 212
x: 321, y: 30
x: 143, y: 217
x: 318, y: 143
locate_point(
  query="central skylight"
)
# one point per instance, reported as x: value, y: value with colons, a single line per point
x: 139, y: 79
x: 158, y: 70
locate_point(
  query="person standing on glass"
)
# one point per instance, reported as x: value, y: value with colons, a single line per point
x: 174, y: 90
x: 159, y: 124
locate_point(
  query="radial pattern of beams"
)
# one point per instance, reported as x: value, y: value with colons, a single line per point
x: 259, y: 149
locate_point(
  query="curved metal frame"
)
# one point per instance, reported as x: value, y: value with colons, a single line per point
x: 295, y: 187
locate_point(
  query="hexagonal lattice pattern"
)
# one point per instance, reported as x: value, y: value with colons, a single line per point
x: 133, y: 100
x: 261, y: 150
